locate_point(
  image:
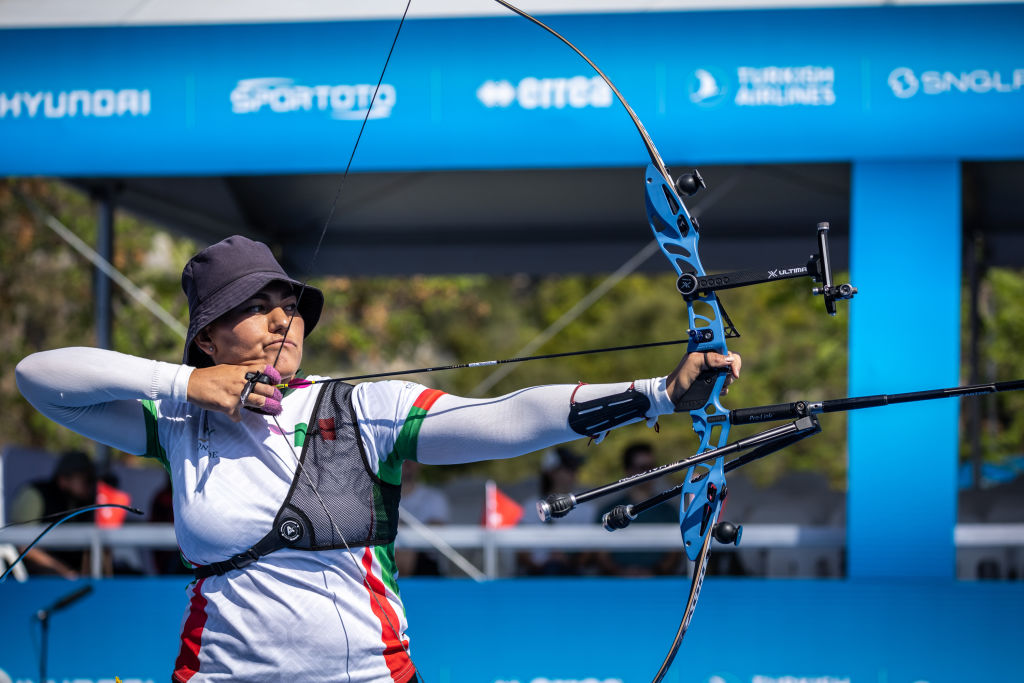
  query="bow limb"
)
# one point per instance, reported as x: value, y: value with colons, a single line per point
x: 677, y: 235
x: 700, y: 567
x: 656, y: 159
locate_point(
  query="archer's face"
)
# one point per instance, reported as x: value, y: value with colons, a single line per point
x: 255, y: 331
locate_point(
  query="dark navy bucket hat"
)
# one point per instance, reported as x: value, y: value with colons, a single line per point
x: 225, y: 275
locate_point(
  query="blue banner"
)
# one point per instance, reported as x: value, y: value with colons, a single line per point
x: 714, y: 87
x: 583, y: 631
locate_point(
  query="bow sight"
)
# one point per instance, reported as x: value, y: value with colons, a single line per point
x: 818, y: 267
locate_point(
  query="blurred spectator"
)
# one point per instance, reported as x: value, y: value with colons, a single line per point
x: 558, y: 475
x: 72, y: 485
x: 638, y: 458
x: 115, y: 560
x: 430, y: 506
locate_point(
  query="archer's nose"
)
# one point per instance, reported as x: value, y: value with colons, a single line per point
x: 278, y: 320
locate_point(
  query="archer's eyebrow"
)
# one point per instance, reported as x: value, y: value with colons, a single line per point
x: 263, y: 296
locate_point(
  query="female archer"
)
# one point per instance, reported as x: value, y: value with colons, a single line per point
x: 286, y: 497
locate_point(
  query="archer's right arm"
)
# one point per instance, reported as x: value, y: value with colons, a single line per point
x: 96, y: 392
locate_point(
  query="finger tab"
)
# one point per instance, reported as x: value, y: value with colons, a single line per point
x: 272, y: 406
x: 271, y: 372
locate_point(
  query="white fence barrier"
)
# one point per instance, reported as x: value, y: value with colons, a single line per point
x: 647, y: 537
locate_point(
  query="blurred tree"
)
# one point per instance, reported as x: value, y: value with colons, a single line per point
x: 46, y: 286
x: 792, y: 350
x: 1002, y: 337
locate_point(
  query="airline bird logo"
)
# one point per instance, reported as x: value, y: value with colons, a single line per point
x: 706, y: 86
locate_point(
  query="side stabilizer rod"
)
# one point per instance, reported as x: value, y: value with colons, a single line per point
x: 620, y: 516
x: 560, y: 504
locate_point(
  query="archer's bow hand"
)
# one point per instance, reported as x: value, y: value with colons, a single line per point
x: 229, y: 388
x: 693, y: 365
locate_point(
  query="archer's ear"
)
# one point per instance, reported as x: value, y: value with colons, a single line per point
x: 204, y: 341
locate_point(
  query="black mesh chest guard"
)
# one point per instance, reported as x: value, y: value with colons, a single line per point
x: 334, y: 490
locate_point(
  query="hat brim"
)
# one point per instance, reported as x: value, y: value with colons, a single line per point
x: 311, y: 305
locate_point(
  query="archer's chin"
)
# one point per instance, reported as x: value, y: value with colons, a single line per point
x: 288, y: 363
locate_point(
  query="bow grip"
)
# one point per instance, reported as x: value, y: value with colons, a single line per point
x: 698, y: 394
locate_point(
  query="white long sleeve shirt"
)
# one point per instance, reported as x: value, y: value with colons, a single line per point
x: 332, y: 615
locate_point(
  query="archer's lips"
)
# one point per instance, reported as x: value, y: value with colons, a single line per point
x: 284, y: 342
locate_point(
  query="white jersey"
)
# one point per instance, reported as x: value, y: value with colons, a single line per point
x: 309, y: 615
x: 229, y: 480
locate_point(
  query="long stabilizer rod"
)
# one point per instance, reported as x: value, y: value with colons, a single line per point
x: 797, y: 409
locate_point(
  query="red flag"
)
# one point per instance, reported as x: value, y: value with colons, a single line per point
x: 500, y: 510
x: 109, y: 518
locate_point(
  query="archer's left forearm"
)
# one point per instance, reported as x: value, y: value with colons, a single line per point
x: 459, y: 430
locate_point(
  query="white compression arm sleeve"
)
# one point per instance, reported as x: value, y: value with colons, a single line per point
x: 458, y: 430
x: 97, y: 392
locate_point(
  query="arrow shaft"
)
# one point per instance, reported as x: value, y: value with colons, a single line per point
x: 480, y: 364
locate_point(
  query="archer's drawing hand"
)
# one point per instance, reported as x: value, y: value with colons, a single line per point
x: 220, y: 388
x: 693, y: 364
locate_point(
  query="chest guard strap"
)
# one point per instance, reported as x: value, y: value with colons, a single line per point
x: 333, y: 490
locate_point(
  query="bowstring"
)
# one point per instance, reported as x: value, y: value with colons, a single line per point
x: 344, y: 177
x: 291, y: 318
